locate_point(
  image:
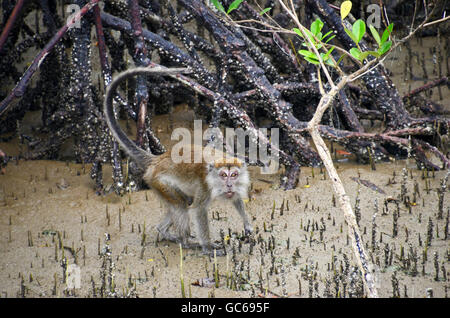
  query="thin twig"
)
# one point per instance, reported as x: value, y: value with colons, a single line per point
x: 436, y: 21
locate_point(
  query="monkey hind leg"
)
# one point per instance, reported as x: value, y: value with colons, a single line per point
x: 182, y: 227
x: 178, y: 219
x: 163, y: 228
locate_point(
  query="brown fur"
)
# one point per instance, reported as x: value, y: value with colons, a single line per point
x: 163, y: 164
x: 235, y: 162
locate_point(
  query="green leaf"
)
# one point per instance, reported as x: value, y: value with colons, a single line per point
x: 307, y: 54
x: 330, y: 63
x: 327, y: 55
x: 374, y: 53
x: 340, y: 59
x: 326, y: 59
x: 386, y: 33
x: 355, y: 52
x: 385, y: 47
x: 351, y: 35
x: 313, y: 61
x: 308, y: 34
x: 265, y: 10
x: 364, y: 55
x: 234, y: 5
x: 218, y: 5
x: 375, y: 34
x: 316, y: 27
x: 299, y: 33
x: 346, y: 7
x: 327, y: 34
x: 330, y: 38
x: 358, y: 29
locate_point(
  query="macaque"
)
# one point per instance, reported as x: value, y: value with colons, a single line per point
x: 186, y: 188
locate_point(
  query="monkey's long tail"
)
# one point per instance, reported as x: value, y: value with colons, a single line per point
x: 141, y: 156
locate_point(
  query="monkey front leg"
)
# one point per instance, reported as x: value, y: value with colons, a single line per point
x: 239, y: 205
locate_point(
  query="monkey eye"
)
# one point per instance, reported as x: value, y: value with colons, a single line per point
x: 234, y: 175
x: 223, y: 174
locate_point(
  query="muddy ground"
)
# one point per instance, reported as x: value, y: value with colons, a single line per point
x: 50, y: 219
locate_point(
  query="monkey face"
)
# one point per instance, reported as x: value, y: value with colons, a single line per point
x: 227, y: 180
x: 228, y: 177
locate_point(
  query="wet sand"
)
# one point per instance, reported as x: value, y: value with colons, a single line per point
x: 35, y: 213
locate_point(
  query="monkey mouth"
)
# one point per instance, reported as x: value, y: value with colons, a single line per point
x: 229, y: 194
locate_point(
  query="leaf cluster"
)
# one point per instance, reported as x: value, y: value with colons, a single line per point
x: 318, y: 39
x: 358, y: 30
x: 357, y: 33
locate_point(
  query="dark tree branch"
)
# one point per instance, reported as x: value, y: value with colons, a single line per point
x: 10, y: 23
x: 19, y: 89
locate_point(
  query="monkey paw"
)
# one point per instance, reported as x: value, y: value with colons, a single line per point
x: 209, y: 250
